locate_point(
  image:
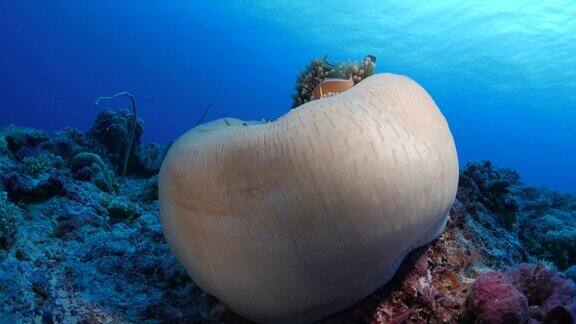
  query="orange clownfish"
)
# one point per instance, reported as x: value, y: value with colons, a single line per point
x: 331, y: 86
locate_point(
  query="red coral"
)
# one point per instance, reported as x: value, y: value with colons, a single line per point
x: 550, y: 297
x: 494, y: 300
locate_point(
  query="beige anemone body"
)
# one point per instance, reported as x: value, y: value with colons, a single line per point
x: 295, y: 220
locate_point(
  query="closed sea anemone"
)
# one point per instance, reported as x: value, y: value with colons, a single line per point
x: 300, y: 218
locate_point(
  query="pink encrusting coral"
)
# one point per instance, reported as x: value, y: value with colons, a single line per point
x: 524, y: 292
x: 495, y: 300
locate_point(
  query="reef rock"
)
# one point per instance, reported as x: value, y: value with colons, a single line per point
x: 22, y: 187
x: 150, y: 157
x: 15, y: 138
x: 112, y: 130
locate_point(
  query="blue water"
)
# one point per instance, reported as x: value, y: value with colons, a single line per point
x: 503, y: 72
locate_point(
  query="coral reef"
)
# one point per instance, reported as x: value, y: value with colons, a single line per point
x: 15, y: 138
x: 547, y: 226
x: 76, y: 251
x: 550, y: 237
x: 468, y: 255
x: 491, y: 190
x: 149, y: 190
x: 9, y: 214
x: 541, y: 222
x: 150, y: 157
x: 132, y: 127
x: 571, y: 272
x: 69, y: 142
x: 113, y: 131
x: 38, y: 164
x: 22, y: 187
x: 73, y: 251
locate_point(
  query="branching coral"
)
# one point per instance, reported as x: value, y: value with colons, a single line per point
x: 38, y: 164
x: 488, y: 191
x: 34, y: 165
x: 134, y: 123
x: 550, y: 237
x: 547, y: 227
x: 542, y: 222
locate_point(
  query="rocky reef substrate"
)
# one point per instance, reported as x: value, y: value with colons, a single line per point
x: 78, y: 243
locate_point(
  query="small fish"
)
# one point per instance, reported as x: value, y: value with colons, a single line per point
x: 371, y: 57
x: 331, y: 86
